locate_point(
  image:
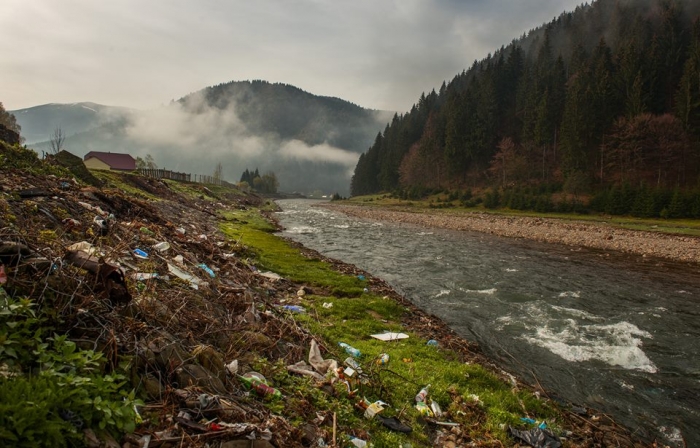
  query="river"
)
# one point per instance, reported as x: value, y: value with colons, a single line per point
x: 602, y: 332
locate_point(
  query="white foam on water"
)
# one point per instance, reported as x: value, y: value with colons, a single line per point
x: 443, y: 292
x: 341, y: 226
x: 424, y: 233
x: 573, y: 312
x: 479, y: 291
x: 573, y: 294
x: 301, y: 230
x: 511, y: 270
x: 616, y: 344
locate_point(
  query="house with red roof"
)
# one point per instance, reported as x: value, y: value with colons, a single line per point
x: 96, y: 160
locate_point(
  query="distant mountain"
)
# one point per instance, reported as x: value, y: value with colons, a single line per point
x: 311, y: 142
x: 39, y: 122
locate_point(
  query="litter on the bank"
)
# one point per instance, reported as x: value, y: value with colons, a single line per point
x: 302, y: 368
x: 327, y: 305
x: 194, y: 281
x: 270, y: 275
x: 294, y: 308
x: 394, y: 424
x: 537, y: 437
x: 374, y: 409
x: 207, y: 269
x: 232, y: 367
x: 321, y: 365
x: 83, y: 246
x: 162, y: 246
x: 432, y: 343
x: 383, y: 359
x: 141, y: 276
x: 389, y: 336
x: 138, y: 253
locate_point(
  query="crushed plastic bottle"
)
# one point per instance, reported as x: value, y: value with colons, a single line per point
x: 294, y: 308
x: 352, y: 351
x: 138, y: 253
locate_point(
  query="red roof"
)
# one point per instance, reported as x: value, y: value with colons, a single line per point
x: 115, y: 160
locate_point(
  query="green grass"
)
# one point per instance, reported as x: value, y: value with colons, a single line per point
x: 251, y: 229
x: 117, y: 180
x: 352, y: 318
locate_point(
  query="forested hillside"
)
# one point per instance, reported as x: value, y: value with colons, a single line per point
x: 602, y: 102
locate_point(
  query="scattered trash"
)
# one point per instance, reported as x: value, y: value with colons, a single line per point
x: 294, y: 308
x: 111, y: 276
x: 71, y: 224
x: 389, y: 336
x: 141, y: 276
x: 352, y: 351
x: 361, y: 277
x: 301, y: 293
x: 257, y: 383
x: 194, y: 281
x: 394, y: 424
x: 302, y: 368
x: 232, y: 367
x: 321, y: 365
x: 422, y: 394
x: 138, y: 253
x: 423, y: 409
x: 102, y: 225
x: 359, y: 443
x: 179, y: 259
x: 207, y: 269
x: 270, y: 275
x: 432, y: 343
x: 327, y: 305
x: 536, y: 438
x: 83, y: 246
x: 180, y: 231
x: 374, y: 409
x: 147, y: 231
x: 163, y: 246
x: 383, y: 359
x: 435, y: 407
x: 365, y: 290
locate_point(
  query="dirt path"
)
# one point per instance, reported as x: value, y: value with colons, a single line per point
x: 570, y: 233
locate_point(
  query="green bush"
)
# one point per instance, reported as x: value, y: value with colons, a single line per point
x: 51, y: 390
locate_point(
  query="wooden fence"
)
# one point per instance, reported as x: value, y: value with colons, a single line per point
x: 183, y: 177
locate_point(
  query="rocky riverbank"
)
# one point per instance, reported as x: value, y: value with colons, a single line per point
x: 571, y: 233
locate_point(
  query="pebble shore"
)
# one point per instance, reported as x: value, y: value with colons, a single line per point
x: 597, y: 235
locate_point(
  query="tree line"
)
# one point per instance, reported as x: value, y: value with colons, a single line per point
x: 267, y: 183
x: 605, y: 98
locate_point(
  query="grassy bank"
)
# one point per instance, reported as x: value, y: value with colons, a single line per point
x: 340, y: 310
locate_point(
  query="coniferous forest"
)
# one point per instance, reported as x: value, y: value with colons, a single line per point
x: 597, y: 110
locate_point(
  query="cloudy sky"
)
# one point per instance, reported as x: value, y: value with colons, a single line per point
x: 379, y: 54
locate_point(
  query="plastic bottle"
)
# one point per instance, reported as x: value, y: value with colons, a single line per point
x: 162, y: 246
x: 420, y: 396
x: 294, y: 308
x: 259, y: 387
x: 352, y: 351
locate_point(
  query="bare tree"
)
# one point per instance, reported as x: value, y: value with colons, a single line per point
x: 218, y: 171
x: 57, y: 140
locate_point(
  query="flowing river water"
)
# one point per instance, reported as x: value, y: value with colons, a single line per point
x: 603, y: 332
